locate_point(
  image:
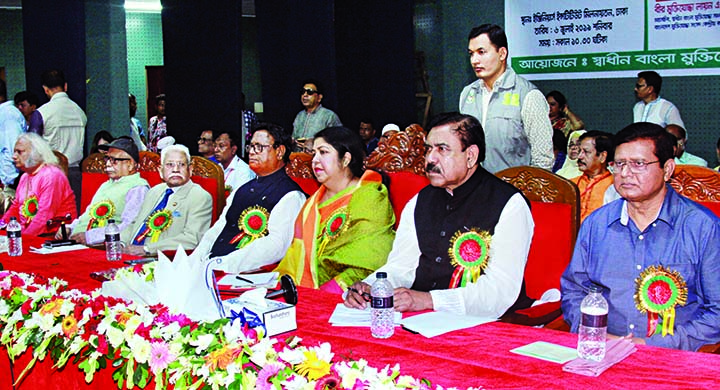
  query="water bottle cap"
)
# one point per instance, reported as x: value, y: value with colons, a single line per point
x: 381, y: 275
x: 111, y: 221
x: 13, y: 218
x: 595, y: 289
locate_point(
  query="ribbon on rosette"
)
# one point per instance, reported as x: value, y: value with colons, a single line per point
x: 157, y: 223
x: 253, y: 223
x: 657, y: 291
x: 469, y: 254
x: 334, y: 226
x: 30, y: 207
x: 100, y: 212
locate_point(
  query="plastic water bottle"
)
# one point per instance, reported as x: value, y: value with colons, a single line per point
x: 14, y: 234
x: 382, y: 310
x: 113, y: 246
x: 592, y: 335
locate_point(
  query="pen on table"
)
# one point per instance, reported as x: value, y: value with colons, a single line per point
x: 365, y: 295
x: 240, y: 278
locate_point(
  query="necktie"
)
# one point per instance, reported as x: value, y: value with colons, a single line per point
x: 144, y: 229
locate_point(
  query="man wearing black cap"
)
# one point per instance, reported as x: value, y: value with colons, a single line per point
x: 119, y: 198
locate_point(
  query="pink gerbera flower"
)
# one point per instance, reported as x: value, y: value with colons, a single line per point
x: 160, y: 356
x: 266, y: 374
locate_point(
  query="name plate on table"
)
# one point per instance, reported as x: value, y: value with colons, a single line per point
x: 278, y: 317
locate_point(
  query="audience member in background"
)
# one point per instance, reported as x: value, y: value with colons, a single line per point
x: 43, y: 192
x: 249, y: 120
x: 256, y: 226
x: 559, y: 149
x: 136, y: 131
x: 570, y: 168
x: 102, y: 137
x: 367, y: 133
x: 12, y: 124
x: 431, y: 264
x: 513, y: 112
x: 561, y: 117
x: 64, y: 123
x: 164, y: 142
x: 27, y: 102
x: 651, y: 107
x: 682, y: 156
x: 118, y: 198
x: 654, y: 253
x: 314, y: 117
x: 345, y: 230
x: 388, y: 131
x: 206, y: 145
x: 596, y: 151
x: 176, y: 212
x: 157, y: 127
x: 237, y: 172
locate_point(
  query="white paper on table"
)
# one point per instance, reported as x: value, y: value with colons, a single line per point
x: 345, y: 316
x: 265, y: 279
x: 66, y: 248
x: 435, y: 323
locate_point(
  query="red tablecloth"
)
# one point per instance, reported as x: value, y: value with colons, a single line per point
x: 477, y: 356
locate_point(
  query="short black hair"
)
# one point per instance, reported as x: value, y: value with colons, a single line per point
x: 559, y: 98
x: 28, y: 96
x: 280, y: 136
x: 603, y: 143
x: 495, y: 33
x: 468, y: 128
x: 652, y: 79
x: 663, y: 141
x: 316, y: 83
x: 344, y: 141
x: 160, y: 98
x: 234, y: 136
x: 680, y: 129
x: 53, y: 78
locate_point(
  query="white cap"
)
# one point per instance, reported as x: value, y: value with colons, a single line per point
x: 390, y: 127
x: 164, y: 142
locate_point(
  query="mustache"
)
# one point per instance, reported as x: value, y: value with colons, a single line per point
x: 432, y: 168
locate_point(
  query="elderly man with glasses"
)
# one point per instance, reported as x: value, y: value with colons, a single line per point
x: 206, y: 145
x: 654, y: 252
x: 314, y: 117
x: 176, y: 212
x: 256, y: 226
x: 119, y: 198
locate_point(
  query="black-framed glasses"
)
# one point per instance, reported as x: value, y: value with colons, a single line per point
x: 308, y: 91
x: 114, y: 160
x: 204, y: 140
x: 633, y: 166
x: 257, y: 148
x: 638, y: 86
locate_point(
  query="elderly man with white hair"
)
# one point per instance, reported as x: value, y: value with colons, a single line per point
x: 43, y: 192
x: 177, y: 211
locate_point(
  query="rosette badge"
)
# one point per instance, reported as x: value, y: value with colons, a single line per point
x: 253, y: 223
x: 100, y: 212
x: 657, y: 291
x: 30, y: 207
x: 469, y: 254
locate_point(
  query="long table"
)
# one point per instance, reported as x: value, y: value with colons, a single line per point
x: 478, y: 356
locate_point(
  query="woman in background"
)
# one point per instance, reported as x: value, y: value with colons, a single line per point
x: 560, y: 115
x: 345, y: 229
x: 570, y: 168
x: 101, y: 138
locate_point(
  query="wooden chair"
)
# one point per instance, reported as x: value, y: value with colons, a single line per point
x: 402, y: 152
x: 699, y: 184
x: 300, y: 170
x: 62, y: 162
x: 555, y: 206
x: 211, y: 177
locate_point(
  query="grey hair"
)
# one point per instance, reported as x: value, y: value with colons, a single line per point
x: 40, y: 151
x: 175, y: 148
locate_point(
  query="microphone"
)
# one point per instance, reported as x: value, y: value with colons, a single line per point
x: 287, y: 290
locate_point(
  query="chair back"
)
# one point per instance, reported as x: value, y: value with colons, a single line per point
x: 300, y: 170
x: 402, y: 152
x: 62, y: 162
x: 699, y: 184
x: 210, y: 177
x: 555, y: 207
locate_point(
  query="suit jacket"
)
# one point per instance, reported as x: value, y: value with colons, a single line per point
x: 191, y: 209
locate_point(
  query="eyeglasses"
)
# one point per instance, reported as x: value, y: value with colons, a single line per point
x: 633, y: 166
x: 222, y: 146
x: 257, y: 148
x: 573, y: 145
x: 113, y: 160
x: 204, y: 140
x: 638, y: 86
x: 308, y: 91
x: 175, y: 164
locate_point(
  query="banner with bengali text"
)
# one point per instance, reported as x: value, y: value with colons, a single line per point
x: 612, y: 38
